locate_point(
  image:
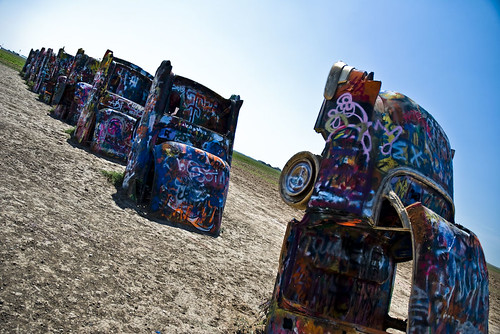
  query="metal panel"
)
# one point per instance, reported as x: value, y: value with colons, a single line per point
x: 121, y: 86
x: 450, y: 282
x: 113, y: 133
x: 383, y: 196
x: 189, y: 187
x: 180, y: 159
x: 334, y: 271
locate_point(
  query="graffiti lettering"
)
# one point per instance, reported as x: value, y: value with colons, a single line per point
x: 340, y: 120
x: 416, y: 157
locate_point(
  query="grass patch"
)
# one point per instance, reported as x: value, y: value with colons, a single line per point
x: 11, y: 60
x: 69, y: 131
x: 492, y: 268
x: 257, y: 168
x: 115, y: 178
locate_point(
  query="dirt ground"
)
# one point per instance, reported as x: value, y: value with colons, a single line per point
x: 76, y: 257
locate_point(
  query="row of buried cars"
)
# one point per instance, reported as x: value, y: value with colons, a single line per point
x: 175, y: 134
x: 380, y: 194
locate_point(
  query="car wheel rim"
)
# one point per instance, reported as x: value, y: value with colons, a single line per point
x: 298, y: 179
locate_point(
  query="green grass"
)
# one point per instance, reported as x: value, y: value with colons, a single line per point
x: 492, y: 268
x: 257, y: 168
x: 115, y: 178
x: 11, y: 60
x: 69, y: 131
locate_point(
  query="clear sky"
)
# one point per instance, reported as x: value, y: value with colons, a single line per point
x: 445, y: 55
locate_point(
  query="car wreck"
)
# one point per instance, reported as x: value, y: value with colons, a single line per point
x: 179, y: 165
x: 34, y: 65
x: 44, y: 71
x: 57, y: 69
x: 112, y: 106
x: 27, y: 63
x: 72, y: 91
x: 380, y: 194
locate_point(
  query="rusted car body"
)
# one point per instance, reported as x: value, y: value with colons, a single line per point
x: 72, y: 90
x: 114, y: 104
x: 180, y: 161
x: 381, y: 194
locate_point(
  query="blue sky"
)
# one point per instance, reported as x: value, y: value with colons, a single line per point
x: 445, y: 55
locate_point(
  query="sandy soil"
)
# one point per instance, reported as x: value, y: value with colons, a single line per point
x: 76, y: 257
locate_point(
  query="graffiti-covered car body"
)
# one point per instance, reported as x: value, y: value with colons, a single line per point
x: 115, y: 102
x: 60, y: 68
x: 72, y: 88
x: 34, y: 65
x: 381, y: 195
x: 28, y: 61
x: 180, y: 161
x: 45, y: 71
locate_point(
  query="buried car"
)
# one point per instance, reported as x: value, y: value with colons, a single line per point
x: 181, y: 156
x: 27, y: 63
x: 34, y: 65
x: 72, y: 90
x: 60, y: 68
x: 112, y: 107
x: 380, y: 194
x: 44, y: 72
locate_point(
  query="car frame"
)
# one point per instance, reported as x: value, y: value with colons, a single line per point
x: 113, y: 106
x: 179, y: 166
x: 59, y: 68
x: 72, y: 90
x: 380, y: 194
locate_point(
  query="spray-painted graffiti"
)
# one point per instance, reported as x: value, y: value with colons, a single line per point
x: 113, y: 133
x: 83, y: 69
x: 28, y: 61
x: 410, y: 190
x: 30, y: 75
x: 56, y: 67
x: 68, y: 105
x: 450, y: 285
x: 337, y: 269
x: 130, y: 84
x: 114, y: 77
x: 197, y: 108
x: 64, y: 62
x: 116, y: 102
x: 29, y: 64
x: 190, y: 185
x: 80, y: 97
x: 340, y: 126
x: 382, y: 195
x: 178, y: 130
x: 44, y: 72
x: 362, y: 147
x: 423, y: 145
x: 349, y: 180
x: 180, y: 159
